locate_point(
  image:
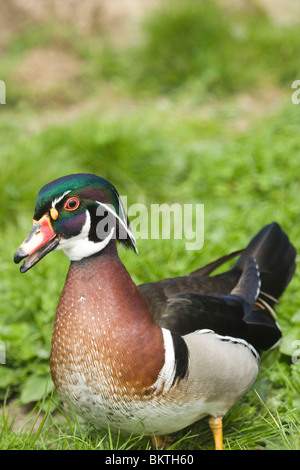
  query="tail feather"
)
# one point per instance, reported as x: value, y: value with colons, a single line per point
x: 209, y: 268
x: 275, y: 256
x: 248, y: 287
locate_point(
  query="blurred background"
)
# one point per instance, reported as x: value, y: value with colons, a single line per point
x: 173, y: 102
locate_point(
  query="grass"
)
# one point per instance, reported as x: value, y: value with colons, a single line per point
x: 219, y: 49
x: 249, y: 425
x: 164, y: 128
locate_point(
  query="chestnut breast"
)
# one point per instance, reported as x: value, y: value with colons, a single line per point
x: 103, y: 330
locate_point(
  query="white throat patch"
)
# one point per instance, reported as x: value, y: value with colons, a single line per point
x: 80, y: 246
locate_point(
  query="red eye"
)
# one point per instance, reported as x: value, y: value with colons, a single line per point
x: 71, y: 204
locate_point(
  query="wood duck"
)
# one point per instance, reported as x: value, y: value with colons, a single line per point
x: 157, y: 357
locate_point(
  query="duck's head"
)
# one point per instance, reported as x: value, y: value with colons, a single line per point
x: 80, y: 214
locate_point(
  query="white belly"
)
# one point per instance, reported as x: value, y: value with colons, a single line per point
x: 220, y: 372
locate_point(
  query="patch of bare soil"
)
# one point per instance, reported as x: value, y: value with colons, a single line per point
x: 119, y: 20
x: 253, y: 107
x: 21, y: 417
x: 45, y: 67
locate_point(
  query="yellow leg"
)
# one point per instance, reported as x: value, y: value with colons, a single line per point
x: 216, y: 427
